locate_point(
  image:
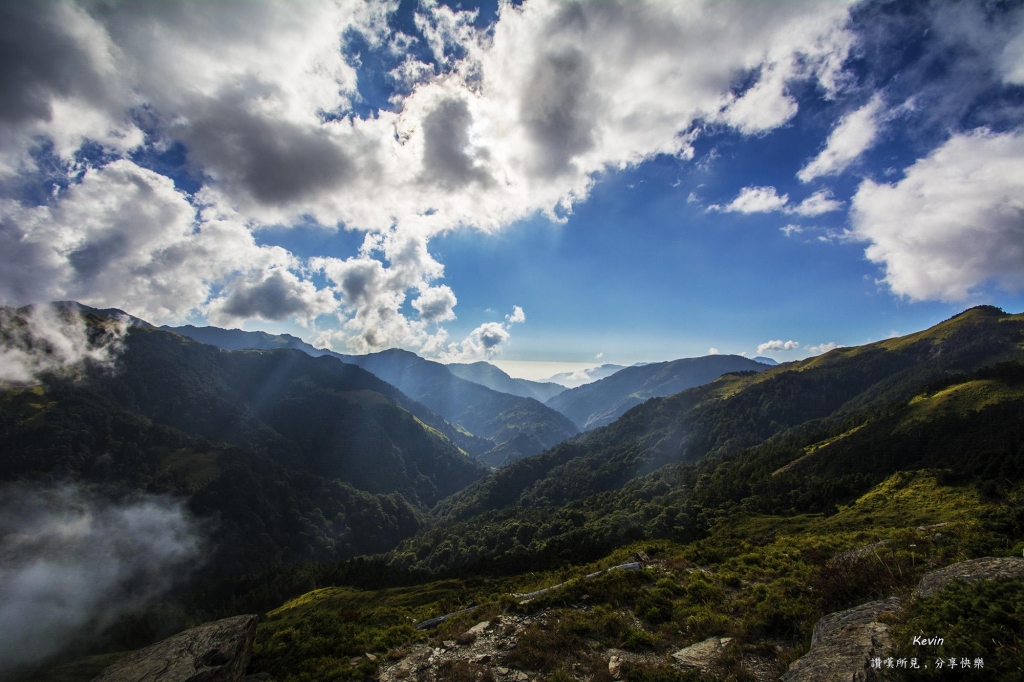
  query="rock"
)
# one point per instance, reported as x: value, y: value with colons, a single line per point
x: 449, y: 644
x: 479, y: 628
x: 502, y: 671
x: 971, y: 572
x: 701, y: 655
x: 371, y: 658
x: 482, y: 659
x: 843, y: 643
x: 214, y: 652
x: 615, y: 667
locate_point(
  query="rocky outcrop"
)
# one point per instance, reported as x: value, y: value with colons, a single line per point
x: 702, y: 655
x: 844, y: 643
x: 214, y: 652
x: 971, y: 572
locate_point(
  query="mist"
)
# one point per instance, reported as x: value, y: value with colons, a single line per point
x: 45, y: 339
x: 72, y: 562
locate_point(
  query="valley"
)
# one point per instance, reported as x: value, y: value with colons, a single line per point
x: 345, y: 506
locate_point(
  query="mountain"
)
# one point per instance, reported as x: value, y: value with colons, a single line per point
x: 488, y: 418
x: 499, y: 417
x: 237, y: 339
x: 486, y: 374
x: 949, y: 396
x: 604, y: 400
x: 765, y: 361
x: 299, y: 457
x: 584, y: 376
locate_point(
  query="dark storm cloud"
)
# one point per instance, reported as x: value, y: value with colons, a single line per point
x: 446, y: 161
x: 275, y: 298
x: 41, y: 60
x: 558, y: 109
x: 274, y: 161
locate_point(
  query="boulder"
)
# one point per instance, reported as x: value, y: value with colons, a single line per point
x: 971, y: 572
x: 843, y: 644
x: 214, y: 652
x: 701, y: 655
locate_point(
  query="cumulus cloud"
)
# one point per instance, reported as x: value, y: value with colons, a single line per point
x: 768, y: 200
x: 823, y: 348
x: 512, y: 120
x: 485, y: 341
x: 756, y: 200
x: 516, y: 316
x: 817, y: 204
x: 712, y: 351
x: 954, y: 223
x: 777, y: 346
x: 851, y: 137
x: 74, y: 562
x: 790, y: 230
x: 49, y: 340
x: 276, y: 294
x: 124, y: 237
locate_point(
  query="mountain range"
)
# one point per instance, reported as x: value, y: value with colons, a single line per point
x: 605, y: 400
x: 747, y: 507
x: 511, y: 425
x: 486, y: 374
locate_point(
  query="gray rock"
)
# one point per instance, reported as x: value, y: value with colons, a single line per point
x: 479, y: 628
x: 971, y: 572
x: 701, y: 655
x: 214, y: 652
x: 843, y: 644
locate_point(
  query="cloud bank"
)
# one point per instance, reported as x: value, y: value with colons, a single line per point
x: 72, y: 562
x: 48, y: 340
x: 502, y: 123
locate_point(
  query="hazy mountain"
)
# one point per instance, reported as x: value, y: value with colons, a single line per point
x: 603, y: 401
x: 765, y: 361
x: 486, y: 374
x: 482, y: 412
x: 584, y: 376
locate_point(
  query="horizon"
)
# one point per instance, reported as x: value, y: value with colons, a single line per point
x: 543, y: 185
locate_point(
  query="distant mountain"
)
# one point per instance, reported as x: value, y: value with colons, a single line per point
x: 584, y: 376
x: 603, y: 401
x: 486, y: 374
x: 489, y: 418
x: 484, y: 412
x: 765, y: 361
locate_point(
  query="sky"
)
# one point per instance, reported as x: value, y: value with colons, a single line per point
x: 522, y: 182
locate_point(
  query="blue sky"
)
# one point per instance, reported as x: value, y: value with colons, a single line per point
x: 537, y: 181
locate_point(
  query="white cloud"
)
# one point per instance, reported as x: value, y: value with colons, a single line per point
x: 516, y: 316
x: 46, y: 340
x: 757, y: 200
x: 851, y: 137
x: 517, y: 119
x: 712, y: 351
x: 790, y: 230
x: 823, y: 348
x: 953, y: 223
x: 124, y: 237
x: 817, y: 204
x: 777, y: 346
x: 74, y: 563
